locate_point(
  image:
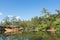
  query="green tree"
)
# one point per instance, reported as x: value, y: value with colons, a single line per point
x: 6, y: 21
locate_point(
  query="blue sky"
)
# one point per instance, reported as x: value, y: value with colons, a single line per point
x: 26, y: 9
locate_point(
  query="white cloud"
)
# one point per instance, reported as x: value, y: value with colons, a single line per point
x: 17, y: 17
x: 10, y: 15
x: 1, y: 13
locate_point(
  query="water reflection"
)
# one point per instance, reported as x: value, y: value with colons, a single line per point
x: 31, y: 36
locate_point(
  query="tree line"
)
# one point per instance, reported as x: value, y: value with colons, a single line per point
x: 47, y: 19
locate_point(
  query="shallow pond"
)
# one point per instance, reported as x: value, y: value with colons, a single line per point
x: 31, y: 36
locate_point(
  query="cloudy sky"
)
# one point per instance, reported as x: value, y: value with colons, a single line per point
x: 26, y: 9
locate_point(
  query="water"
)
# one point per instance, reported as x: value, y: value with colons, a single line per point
x: 31, y: 36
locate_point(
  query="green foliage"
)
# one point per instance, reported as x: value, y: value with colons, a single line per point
x: 6, y: 21
x: 45, y: 21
